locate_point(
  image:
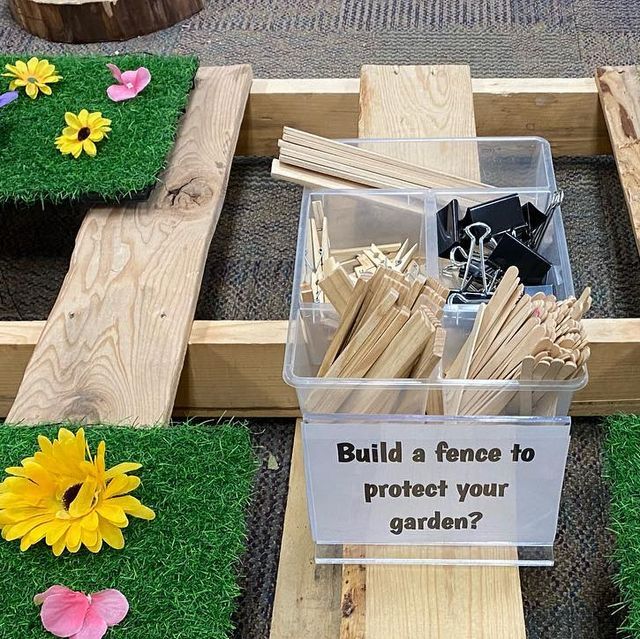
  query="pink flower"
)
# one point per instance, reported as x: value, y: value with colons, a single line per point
x: 67, y: 613
x: 130, y: 83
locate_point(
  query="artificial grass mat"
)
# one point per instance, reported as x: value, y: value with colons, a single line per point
x: 127, y: 163
x: 177, y: 571
x: 622, y: 464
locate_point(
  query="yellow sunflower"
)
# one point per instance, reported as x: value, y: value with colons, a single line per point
x: 60, y: 496
x: 35, y: 75
x: 81, y: 133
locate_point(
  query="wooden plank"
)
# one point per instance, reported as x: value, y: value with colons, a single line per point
x: 451, y: 601
x: 619, y: 89
x: 301, y: 583
x: 113, y: 347
x: 235, y: 368
x: 565, y: 111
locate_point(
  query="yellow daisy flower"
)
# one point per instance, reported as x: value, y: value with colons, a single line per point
x: 81, y: 133
x: 35, y: 76
x: 60, y: 496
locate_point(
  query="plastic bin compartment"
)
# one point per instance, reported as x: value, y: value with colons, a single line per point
x: 554, y: 244
x: 310, y: 331
x: 359, y: 218
x: 501, y: 162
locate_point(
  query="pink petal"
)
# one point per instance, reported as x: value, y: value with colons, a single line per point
x: 54, y: 590
x: 111, y: 605
x: 119, y: 92
x: 143, y: 77
x: 94, y: 626
x: 117, y: 74
x: 63, y: 613
x: 128, y: 77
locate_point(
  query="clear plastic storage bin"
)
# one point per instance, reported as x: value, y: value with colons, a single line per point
x: 518, y: 530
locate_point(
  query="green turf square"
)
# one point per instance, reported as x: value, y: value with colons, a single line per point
x: 622, y: 464
x: 127, y: 163
x: 177, y: 571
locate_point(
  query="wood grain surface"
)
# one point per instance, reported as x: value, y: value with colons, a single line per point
x: 99, y: 20
x: 619, y: 89
x: 113, y: 346
x: 434, y: 602
x: 564, y: 111
x: 235, y: 368
x: 307, y: 598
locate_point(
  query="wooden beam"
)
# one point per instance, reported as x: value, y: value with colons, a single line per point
x: 619, y: 89
x: 300, y: 581
x: 113, y: 347
x: 235, y: 368
x: 452, y: 601
x: 565, y: 111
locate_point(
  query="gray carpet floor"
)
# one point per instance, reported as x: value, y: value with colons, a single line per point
x: 250, y: 265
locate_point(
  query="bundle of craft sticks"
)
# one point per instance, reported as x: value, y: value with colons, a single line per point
x: 520, y: 337
x: 389, y: 328
x: 356, y: 166
x: 331, y: 273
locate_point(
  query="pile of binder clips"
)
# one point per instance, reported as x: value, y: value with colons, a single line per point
x: 491, y: 237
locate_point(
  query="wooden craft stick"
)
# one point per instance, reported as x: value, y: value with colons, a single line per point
x: 344, y: 328
x: 404, y: 349
x: 355, y: 343
x: 352, y: 368
x: 431, y: 355
x: 526, y: 374
x: 354, y: 153
x: 367, y: 358
x: 461, y: 365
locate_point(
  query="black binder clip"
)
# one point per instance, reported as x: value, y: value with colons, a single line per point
x: 510, y: 251
x: 502, y: 215
x: 448, y: 228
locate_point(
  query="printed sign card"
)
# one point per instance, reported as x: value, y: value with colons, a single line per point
x: 435, y: 482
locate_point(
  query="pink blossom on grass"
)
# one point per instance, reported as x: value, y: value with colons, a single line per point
x: 67, y: 613
x: 130, y: 83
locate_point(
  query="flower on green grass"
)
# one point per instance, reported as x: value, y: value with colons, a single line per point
x: 60, y: 496
x: 34, y: 75
x: 82, y: 132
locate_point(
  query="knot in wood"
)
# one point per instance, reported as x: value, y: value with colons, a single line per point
x: 193, y: 193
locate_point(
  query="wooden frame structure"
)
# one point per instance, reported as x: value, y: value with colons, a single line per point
x: 236, y: 367
x: 223, y: 355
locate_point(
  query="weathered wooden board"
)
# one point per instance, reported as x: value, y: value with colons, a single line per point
x: 565, y: 111
x: 429, y: 601
x: 301, y: 583
x: 235, y: 368
x: 619, y: 89
x: 113, y: 347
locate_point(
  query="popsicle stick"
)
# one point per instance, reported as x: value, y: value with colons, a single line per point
x: 345, y: 326
x: 526, y: 374
x: 431, y: 355
x: 357, y: 365
x: 337, y: 287
x: 462, y: 364
x: 362, y: 334
x: 404, y: 349
x: 368, y: 359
